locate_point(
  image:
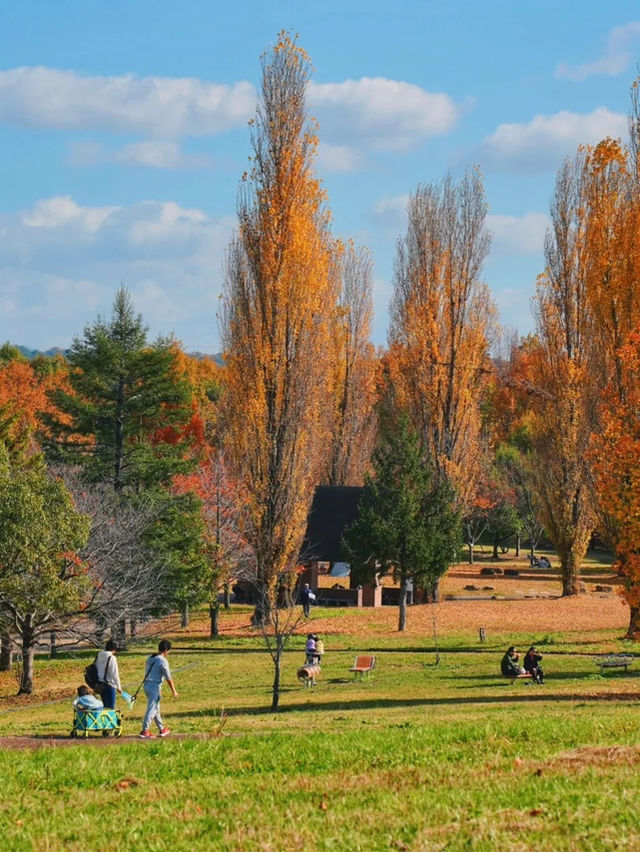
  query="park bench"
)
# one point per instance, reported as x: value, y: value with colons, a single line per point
x: 614, y: 661
x: 307, y: 675
x: 362, y: 666
x: 514, y: 678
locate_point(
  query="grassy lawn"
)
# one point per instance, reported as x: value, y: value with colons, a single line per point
x: 419, y: 756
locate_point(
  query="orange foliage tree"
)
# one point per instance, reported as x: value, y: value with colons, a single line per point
x: 561, y: 416
x: 355, y: 372
x: 280, y: 296
x: 615, y: 457
x: 441, y: 320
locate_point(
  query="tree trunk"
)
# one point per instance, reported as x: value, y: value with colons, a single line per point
x: 184, y: 616
x: 570, y: 575
x: 226, y: 597
x: 402, y: 604
x: 133, y: 628
x: 634, y: 613
x: 495, y: 550
x: 277, y: 665
x: 53, y: 647
x: 214, y: 614
x: 435, y: 590
x: 28, y: 641
x: 262, y: 611
x: 470, y: 553
x: 518, y: 545
x: 6, y: 652
x: 119, y: 634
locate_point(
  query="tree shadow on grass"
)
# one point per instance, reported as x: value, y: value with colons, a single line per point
x: 541, y: 695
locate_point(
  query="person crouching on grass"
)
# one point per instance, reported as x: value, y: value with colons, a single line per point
x: 156, y: 670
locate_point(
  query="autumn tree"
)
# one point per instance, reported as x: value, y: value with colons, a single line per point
x: 42, y: 580
x: 229, y: 556
x: 279, y: 303
x: 406, y: 525
x: 561, y: 421
x: 614, y: 455
x: 127, y: 418
x: 442, y: 319
x: 355, y: 372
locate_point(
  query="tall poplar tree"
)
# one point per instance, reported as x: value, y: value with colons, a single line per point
x: 356, y: 370
x: 279, y: 302
x: 442, y: 319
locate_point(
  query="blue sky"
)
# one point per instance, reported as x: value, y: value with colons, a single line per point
x: 123, y: 136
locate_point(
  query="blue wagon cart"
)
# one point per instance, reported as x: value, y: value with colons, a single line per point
x: 106, y: 722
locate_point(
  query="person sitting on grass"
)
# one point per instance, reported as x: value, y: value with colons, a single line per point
x: 510, y: 665
x: 86, y: 700
x: 532, y: 665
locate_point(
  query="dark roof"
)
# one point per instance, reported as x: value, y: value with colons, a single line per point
x: 334, y: 507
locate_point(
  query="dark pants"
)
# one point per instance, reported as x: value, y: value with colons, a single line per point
x: 108, y: 694
x: 306, y: 608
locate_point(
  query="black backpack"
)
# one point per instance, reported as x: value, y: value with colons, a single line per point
x: 91, y: 675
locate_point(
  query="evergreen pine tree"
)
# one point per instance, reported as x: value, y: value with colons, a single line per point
x: 406, y: 523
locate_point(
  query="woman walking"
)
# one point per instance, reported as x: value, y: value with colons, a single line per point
x: 156, y: 670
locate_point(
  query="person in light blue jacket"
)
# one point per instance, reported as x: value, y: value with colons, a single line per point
x: 86, y: 700
x: 156, y: 670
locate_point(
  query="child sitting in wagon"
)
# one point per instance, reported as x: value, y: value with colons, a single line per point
x: 86, y: 700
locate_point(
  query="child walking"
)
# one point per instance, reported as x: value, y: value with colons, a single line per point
x: 156, y: 670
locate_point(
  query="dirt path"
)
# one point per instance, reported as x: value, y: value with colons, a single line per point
x: 60, y: 741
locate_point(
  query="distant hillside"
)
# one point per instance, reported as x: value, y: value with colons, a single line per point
x: 50, y: 353
x: 55, y: 350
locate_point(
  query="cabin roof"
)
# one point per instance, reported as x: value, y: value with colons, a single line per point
x: 334, y: 507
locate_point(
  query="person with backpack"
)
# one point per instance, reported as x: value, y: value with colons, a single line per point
x: 108, y: 675
x: 156, y: 670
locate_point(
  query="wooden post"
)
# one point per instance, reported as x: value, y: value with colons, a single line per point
x: 483, y: 637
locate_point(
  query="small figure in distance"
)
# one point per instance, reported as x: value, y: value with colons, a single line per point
x: 544, y: 563
x: 306, y: 596
x: 310, y: 650
x: 510, y: 665
x: 319, y: 650
x: 532, y: 665
x: 86, y: 700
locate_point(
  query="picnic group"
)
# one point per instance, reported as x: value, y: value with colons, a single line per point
x: 103, y: 685
x: 511, y: 667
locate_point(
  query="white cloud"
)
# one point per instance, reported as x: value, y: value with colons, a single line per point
x: 380, y: 114
x: 160, y: 155
x: 391, y: 212
x: 546, y: 139
x: 62, y: 261
x: 615, y: 59
x: 62, y: 210
x: 157, y: 106
x: 518, y: 234
x: 339, y: 158
x: 154, y: 153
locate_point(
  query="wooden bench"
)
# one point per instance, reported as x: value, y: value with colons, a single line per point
x: 307, y: 675
x: 514, y: 678
x: 362, y: 666
x: 614, y: 661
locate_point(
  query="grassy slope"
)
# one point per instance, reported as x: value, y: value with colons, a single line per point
x: 418, y: 757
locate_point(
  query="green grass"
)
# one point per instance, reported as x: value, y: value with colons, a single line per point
x: 417, y: 757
